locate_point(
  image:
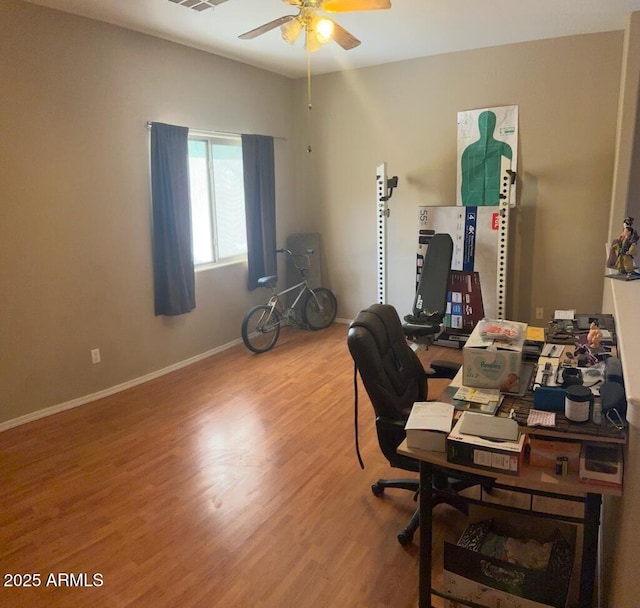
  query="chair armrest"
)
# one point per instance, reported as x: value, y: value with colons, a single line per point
x: 443, y: 369
x: 390, y: 424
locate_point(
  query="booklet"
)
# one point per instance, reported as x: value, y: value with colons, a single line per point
x: 464, y: 405
x: 477, y: 395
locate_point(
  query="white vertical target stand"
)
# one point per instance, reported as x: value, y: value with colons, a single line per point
x: 507, y: 200
x: 384, y: 191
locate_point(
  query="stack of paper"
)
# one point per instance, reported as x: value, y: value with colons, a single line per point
x: 466, y: 398
x: 477, y: 395
x: 428, y: 425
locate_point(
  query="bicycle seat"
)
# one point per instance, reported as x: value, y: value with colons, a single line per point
x: 268, y: 281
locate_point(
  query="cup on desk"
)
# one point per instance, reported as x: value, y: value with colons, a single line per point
x: 578, y: 403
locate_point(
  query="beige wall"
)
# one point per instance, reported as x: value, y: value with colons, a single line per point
x: 621, y: 516
x: 405, y: 114
x: 625, y: 198
x: 75, y: 248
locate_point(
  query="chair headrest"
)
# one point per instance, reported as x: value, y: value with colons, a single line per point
x: 390, y: 370
x: 382, y: 322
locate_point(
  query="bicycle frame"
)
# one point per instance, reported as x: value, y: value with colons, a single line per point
x: 311, y: 309
x: 276, y: 303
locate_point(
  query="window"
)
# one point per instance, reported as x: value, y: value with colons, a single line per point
x: 217, y: 198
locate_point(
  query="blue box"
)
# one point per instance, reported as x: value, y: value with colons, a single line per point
x: 549, y: 399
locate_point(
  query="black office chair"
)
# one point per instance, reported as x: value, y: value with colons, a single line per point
x: 394, y: 378
x: 426, y: 321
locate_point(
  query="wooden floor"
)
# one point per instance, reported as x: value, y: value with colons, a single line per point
x: 230, y: 483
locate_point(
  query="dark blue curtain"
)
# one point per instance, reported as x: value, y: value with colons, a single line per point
x: 260, y: 206
x: 173, y: 271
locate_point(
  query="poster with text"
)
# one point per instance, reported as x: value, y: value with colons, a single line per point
x: 487, y: 146
x: 473, y: 281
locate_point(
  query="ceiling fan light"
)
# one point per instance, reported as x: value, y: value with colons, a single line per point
x: 324, y: 30
x: 291, y: 30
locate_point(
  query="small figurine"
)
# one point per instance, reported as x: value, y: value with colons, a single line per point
x: 624, y: 248
x: 584, y: 355
x: 594, y: 337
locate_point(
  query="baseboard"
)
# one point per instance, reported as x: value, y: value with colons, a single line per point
x: 61, y: 407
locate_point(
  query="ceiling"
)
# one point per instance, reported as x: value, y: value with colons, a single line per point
x: 410, y: 29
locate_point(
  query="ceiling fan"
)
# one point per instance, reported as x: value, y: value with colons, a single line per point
x: 318, y: 29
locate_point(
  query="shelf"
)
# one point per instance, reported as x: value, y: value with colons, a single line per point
x: 534, y: 478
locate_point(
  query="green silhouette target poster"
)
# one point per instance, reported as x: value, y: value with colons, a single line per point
x: 487, y: 146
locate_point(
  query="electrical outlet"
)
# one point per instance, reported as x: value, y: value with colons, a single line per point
x: 539, y: 312
x: 95, y: 356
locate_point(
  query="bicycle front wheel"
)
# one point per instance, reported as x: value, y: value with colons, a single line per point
x: 261, y: 328
x: 319, y: 308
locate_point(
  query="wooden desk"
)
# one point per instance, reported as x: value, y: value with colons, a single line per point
x: 564, y: 428
x: 534, y: 481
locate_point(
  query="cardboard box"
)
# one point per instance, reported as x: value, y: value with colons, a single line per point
x: 544, y: 453
x: 481, y: 595
x: 499, y: 564
x: 601, y: 463
x: 491, y: 361
x: 505, y: 457
x: 428, y: 425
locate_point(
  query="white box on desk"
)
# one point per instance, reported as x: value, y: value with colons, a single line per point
x: 505, y: 457
x: 601, y: 463
x: 492, y: 363
x: 428, y: 425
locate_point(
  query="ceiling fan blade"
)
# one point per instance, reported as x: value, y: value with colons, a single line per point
x: 345, y: 6
x: 344, y: 38
x: 267, y: 27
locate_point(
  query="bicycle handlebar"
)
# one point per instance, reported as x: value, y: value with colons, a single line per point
x: 309, y: 252
x: 301, y: 269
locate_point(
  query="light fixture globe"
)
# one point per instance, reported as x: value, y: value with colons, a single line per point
x: 291, y: 30
x: 324, y: 29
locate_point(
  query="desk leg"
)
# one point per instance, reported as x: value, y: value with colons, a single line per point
x: 589, y: 549
x: 426, y: 502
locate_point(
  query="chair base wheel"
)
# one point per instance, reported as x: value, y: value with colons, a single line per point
x: 405, y: 538
x: 377, y: 489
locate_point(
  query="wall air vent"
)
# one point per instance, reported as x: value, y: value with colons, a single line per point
x: 198, y: 5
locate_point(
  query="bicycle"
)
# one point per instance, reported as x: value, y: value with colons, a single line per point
x: 318, y: 307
